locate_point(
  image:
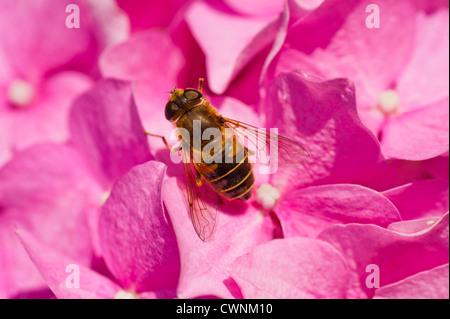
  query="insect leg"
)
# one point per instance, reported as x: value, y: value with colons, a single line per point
x: 160, y: 136
x: 198, y: 179
x: 200, y: 84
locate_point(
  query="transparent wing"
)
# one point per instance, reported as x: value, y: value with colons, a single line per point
x: 201, y: 199
x: 266, y: 143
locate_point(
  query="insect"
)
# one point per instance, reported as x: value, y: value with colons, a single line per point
x: 224, y: 171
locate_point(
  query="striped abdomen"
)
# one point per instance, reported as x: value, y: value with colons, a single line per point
x: 233, y: 178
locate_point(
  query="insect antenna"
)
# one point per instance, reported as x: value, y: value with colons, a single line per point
x: 174, y: 89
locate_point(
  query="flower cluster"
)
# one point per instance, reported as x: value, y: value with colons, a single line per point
x: 90, y: 207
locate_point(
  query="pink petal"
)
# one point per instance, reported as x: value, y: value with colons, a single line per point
x: 427, y: 198
x: 54, y: 205
x: 228, y: 40
x: 303, y: 268
x: 333, y: 41
x: 146, y: 14
x: 246, y: 85
x: 235, y: 109
x: 106, y: 128
x: 20, y: 127
x: 194, y: 66
x: 239, y: 228
x: 255, y: 7
x: 419, y: 134
x: 321, y: 115
x: 431, y: 5
x: 395, y: 254
x: 109, y: 24
x: 395, y: 173
x: 154, y: 73
x: 430, y: 284
x: 310, y: 5
x: 56, y: 268
x: 133, y: 217
x: 137, y: 59
x: 293, y: 10
x: 16, y: 265
x: 330, y: 42
x: 425, y: 80
x: 438, y: 167
x: 7, y: 73
x: 308, y: 211
x: 413, y: 226
x: 35, y: 48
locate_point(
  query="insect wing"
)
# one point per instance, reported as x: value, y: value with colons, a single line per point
x: 260, y: 141
x: 201, y: 201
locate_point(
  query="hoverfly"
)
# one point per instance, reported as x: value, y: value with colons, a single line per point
x: 229, y: 176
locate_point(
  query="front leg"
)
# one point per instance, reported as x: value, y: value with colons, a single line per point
x: 200, y: 84
x: 176, y: 149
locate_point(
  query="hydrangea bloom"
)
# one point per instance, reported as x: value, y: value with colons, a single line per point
x: 401, y: 92
x: 45, y: 65
x: 55, y: 191
x: 90, y: 207
x: 148, y: 270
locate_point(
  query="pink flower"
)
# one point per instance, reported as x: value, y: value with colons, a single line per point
x: 197, y: 275
x: 56, y: 268
x: 153, y: 72
x: 132, y: 217
x: 314, y: 210
x: 341, y: 150
x: 136, y: 237
x: 304, y: 268
x: 319, y: 208
x: 364, y: 216
x: 44, y: 64
x: 429, y: 284
x: 204, y: 267
x: 106, y: 130
x: 51, y: 201
x: 420, y: 199
x: 55, y: 191
x: 398, y: 255
x: 240, y: 39
x: 105, y: 126
x: 228, y: 50
x: 400, y: 69
x: 438, y: 166
x: 145, y: 14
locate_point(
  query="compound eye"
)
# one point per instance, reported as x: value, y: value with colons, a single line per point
x: 192, y: 94
x: 171, y: 109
